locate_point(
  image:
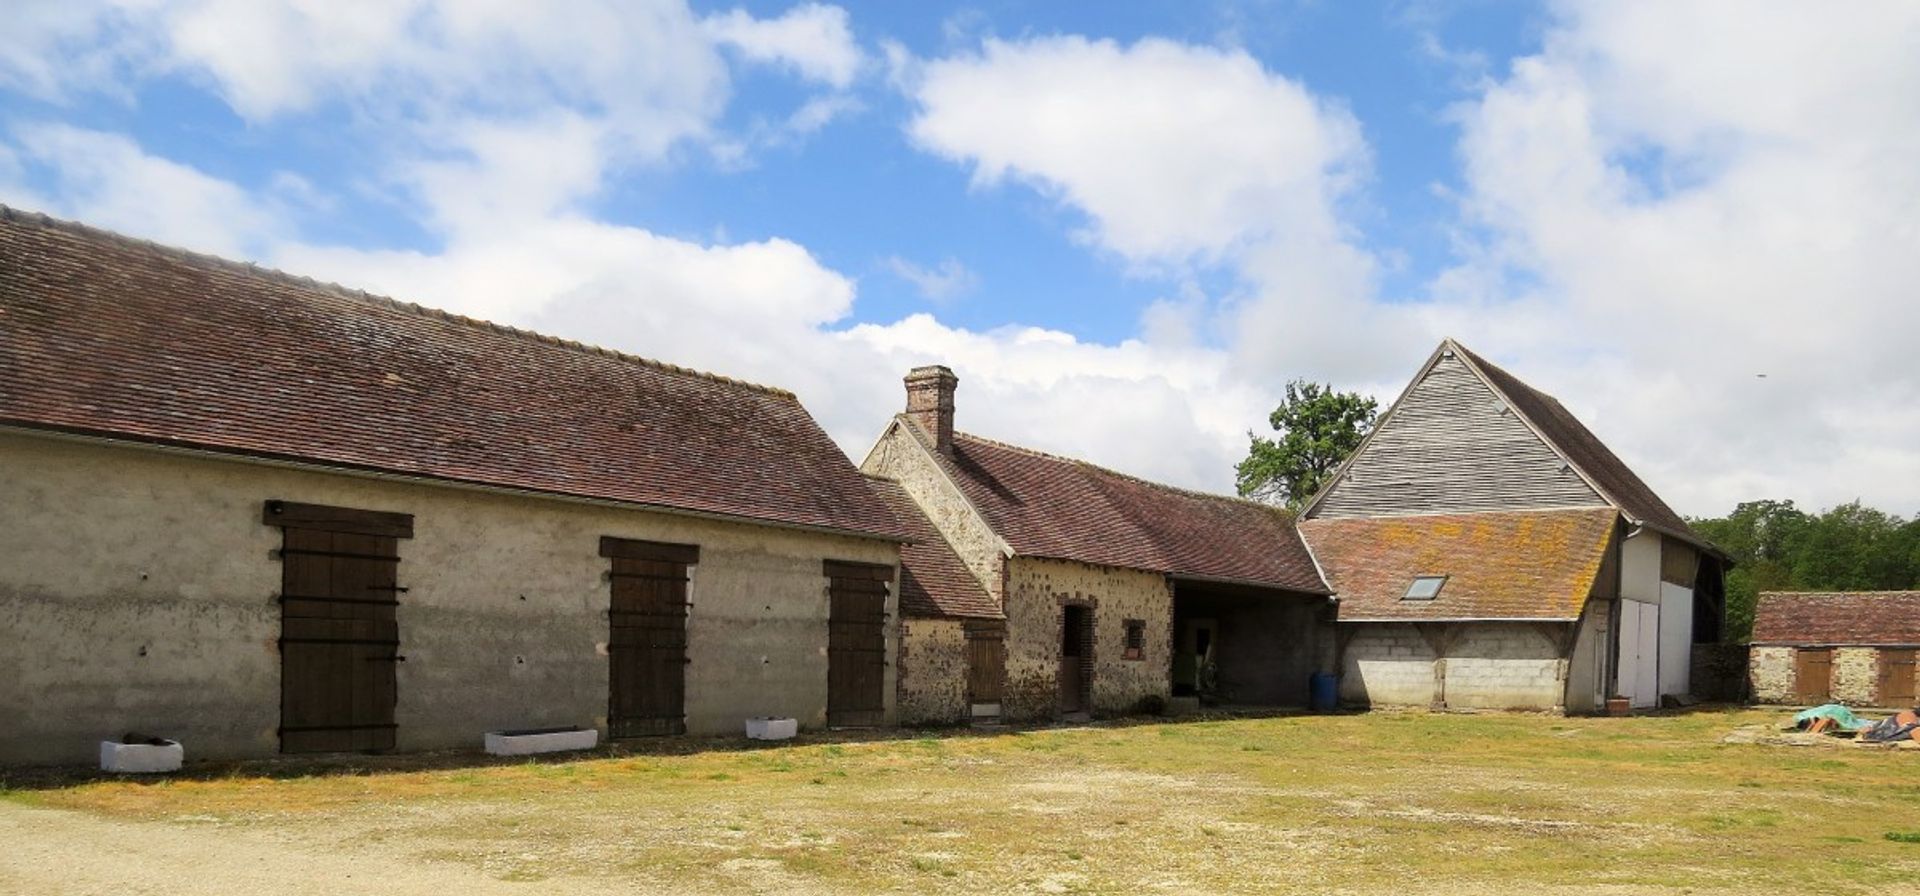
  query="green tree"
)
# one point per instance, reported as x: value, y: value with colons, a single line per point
x: 1776, y: 546
x: 1317, y: 428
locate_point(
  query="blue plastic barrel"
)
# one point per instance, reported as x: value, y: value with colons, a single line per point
x: 1325, y: 691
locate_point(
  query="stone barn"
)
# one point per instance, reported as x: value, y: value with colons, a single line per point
x: 1488, y: 550
x: 1117, y: 594
x: 1854, y: 647
x: 261, y: 514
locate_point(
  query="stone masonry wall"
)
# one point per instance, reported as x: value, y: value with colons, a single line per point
x: 901, y: 457
x: 1856, y: 674
x: 933, y: 672
x: 1038, y: 591
x: 1770, y: 675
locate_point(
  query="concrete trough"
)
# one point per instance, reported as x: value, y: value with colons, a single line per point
x: 770, y: 728
x: 530, y: 741
x: 141, y: 756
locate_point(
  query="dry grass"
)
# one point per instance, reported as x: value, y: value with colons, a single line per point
x: 1395, y: 802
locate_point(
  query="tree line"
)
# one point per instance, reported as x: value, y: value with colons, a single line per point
x: 1775, y: 546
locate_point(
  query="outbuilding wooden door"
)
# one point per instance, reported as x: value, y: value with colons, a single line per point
x: 1813, y: 675
x: 1896, y: 677
x: 856, y: 643
x: 986, y: 663
x: 339, y: 636
x: 647, y: 636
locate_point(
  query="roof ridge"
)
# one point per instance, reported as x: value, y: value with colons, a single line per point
x: 1033, y: 452
x: 42, y: 219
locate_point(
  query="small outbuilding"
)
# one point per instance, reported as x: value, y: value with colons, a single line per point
x: 259, y: 514
x: 1103, y: 593
x: 1854, y: 647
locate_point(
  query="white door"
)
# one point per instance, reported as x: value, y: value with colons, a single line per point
x: 1676, y: 639
x: 1638, y: 669
x: 1646, y: 685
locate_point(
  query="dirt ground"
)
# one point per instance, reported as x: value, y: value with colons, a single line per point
x: 1401, y: 802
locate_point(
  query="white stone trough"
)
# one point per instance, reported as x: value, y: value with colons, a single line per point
x: 770, y: 728
x: 141, y: 755
x: 529, y: 741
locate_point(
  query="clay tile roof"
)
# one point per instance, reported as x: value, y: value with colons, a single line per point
x: 1057, y: 507
x: 934, y: 582
x: 1566, y: 433
x: 1863, y: 618
x: 105, y: 335
x: 1536, y: 564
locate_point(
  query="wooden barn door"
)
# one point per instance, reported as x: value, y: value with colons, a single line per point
x: 647, y: 637
x: 339, y: 638
x: 856, y: 643
x: 986, y: 666
x: 1813, y: 675
x: 1896, y: 677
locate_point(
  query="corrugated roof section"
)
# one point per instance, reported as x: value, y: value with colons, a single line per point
x: 934, y: 582
x: 1535, y: 564
x: 1048, y: 506
x: 101, y: 334
x: 1842, y: 618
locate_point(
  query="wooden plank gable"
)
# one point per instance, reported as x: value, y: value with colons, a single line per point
x: 1452, y: 445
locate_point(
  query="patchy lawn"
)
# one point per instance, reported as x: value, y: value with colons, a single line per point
x: 1386, y: 802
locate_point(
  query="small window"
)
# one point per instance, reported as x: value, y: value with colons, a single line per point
x: 1136, y: 639
x: 1425, y: 588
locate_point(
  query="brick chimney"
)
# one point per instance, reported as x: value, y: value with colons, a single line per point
x: 930, y: 403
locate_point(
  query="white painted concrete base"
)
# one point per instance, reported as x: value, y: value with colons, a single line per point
x: 504, y: 743
x: 141, y: 759
x: 772, y: 729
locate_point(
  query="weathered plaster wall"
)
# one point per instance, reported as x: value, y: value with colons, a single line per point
x: 933, y: 672
x: 137, y: 593
x: 1038, y: 591
x: 1587, y: 667
x: 1488, y: 665
x: 901, y: 457
x: 1856, y: 676
x: 1770, y: 675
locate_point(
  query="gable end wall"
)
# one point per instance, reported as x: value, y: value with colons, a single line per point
x: 1449, y: 448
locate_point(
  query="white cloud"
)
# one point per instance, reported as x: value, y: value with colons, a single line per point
x: 107, y: 180
x: 1681, y: 196
x: 813, y: 39
x: 941, y: 283
x: 1173, y: 151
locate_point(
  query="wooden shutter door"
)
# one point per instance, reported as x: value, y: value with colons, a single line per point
x: 647, y: 637
x: 1813, y: 675
x: 1896, y: 677
x: 856, y: 643
x: 986, y: 662
x: 339, y: 636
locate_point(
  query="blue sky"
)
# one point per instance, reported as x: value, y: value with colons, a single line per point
x: 1126, y: 225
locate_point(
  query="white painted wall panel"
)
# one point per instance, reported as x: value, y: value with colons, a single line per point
x: 1676, y: 638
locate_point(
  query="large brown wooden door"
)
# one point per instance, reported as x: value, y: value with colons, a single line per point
x: 1896, y: 677
x: 647, y: 637
x: 1076, y: 658
x: 986, y: 662
x: 339, y: 638
x: 856, y: 643
x: 1813, y: 675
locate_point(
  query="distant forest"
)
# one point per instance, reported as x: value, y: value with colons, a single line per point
x: 1779, y: 547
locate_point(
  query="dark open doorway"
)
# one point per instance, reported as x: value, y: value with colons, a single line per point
x: 1076, y: 660
x: 1246, y: 646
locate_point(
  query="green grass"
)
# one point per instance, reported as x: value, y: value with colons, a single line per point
x: 1394, y: 802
